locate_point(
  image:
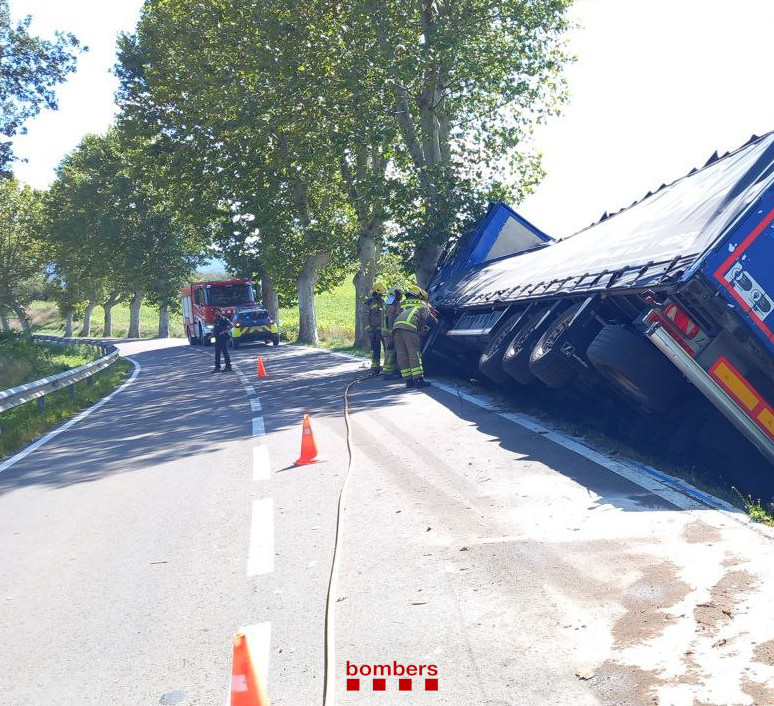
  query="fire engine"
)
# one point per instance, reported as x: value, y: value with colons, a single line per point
x: 200, y: 300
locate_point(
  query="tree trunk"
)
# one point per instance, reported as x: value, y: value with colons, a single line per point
x: 86, y: 329
x: 164, y: 320
x: 69, y: 314
x: 307, y: 316
x: 270, y: 299
x: 24, y: 319
x: 107, y: 305
x: 425, y: 260
x: 5, y: 320
x: 134, y: 314
x: 368, y: 254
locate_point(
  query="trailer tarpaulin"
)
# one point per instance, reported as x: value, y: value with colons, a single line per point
x: 656, y: 239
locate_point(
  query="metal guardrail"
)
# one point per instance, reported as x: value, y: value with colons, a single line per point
x: 37, y: 390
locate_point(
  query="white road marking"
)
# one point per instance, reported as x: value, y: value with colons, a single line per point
x: 258, y: 428
x: 255, y: 404
x: 86, y: 412
x: 260, y: 559
x: 261, y: 464
x: 250, y: 390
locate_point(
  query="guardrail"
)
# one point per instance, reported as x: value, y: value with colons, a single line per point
x: 40, y: 388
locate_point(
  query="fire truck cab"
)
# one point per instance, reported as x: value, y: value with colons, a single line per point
x: 200, y: 300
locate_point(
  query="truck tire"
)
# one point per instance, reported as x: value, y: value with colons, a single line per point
x: 546, y: 361
x: 192, y: 340
x: 516, y: 358
x: 491, y: 361
x: 636, y: 368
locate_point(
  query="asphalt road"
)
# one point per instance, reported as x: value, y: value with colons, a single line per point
x: 135, y: 544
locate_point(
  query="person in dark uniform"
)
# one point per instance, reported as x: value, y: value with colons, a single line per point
x: 221, y: 329
x: 374, y: 310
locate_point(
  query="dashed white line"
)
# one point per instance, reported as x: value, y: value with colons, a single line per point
x: 258, y: 428
x: 260, y: 559
x: 261, y: 465
x: 255, y: 404
x: 250, y: 391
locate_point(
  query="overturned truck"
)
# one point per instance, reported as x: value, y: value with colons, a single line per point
x: 667, y: 297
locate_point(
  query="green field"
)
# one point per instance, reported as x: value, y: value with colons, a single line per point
x: 335, y: 319
x: 22, y: 362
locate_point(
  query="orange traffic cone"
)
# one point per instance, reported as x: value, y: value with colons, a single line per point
x: 261, y: 370
x: 308, y: 447
x: 246, y: 686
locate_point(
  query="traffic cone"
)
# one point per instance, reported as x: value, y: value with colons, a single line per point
x: 308, y: 447
x: 261, y: 370
x: 246, y: 686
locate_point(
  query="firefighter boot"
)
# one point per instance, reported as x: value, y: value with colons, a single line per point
x: 410, y: 382
x: 227, y: 369
x: 375, y: 371
x: 421, y: 382
x: 215, y: 370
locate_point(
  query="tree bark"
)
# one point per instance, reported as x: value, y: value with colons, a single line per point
x: 69, y: 315
x: 5, y: 320
x: 425, y: 260
x: 363, y: 280
x: 270, y: 299
x: 164, y: 320
x: 24, y: 319
x: 86, y: 328
x: 115, y: 297
x: 134, y: 314
x: 307, y: 316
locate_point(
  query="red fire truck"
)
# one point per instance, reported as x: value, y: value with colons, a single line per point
x: 200, y: 300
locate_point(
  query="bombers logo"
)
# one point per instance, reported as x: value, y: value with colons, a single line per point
x: 428, y: 674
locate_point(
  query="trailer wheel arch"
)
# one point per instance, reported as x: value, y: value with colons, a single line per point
x: 490, y: 363
x: 636, y: 368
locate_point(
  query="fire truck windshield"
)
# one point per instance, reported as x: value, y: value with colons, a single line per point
x: 229, y: 294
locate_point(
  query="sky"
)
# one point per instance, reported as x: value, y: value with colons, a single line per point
x: 658, y: 86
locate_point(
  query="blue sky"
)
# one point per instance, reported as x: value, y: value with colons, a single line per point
x: 658, y: 86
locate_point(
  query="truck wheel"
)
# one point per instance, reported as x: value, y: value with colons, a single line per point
x: 516, y: 358
x: 191, y: 338
x: 491, y: 361
x: 636, y: 368
x: 204, y: 340
x: 546, y: 361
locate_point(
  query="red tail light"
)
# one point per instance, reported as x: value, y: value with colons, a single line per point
x: 681, y: 320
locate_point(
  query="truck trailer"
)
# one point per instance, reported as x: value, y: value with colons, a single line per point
x: 671, y: 295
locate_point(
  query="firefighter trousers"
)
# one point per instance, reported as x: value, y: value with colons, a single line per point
x: 376, y: 350
x: 221, y: 346
x: 407, y: 350
x: 390, y: 362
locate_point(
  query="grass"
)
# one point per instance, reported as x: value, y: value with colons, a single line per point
x: 21, y: 425
x: 47, y: 319
x: 22, y: 362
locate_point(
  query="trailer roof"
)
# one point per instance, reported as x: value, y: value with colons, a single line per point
x: 652, y: 241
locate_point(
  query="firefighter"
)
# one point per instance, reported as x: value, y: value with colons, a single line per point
x: 374, y: 311
x: 414, y: 319
x: 391, y: 311
x: 221, y: 329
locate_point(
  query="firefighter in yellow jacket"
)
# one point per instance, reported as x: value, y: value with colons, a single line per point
x: 391, y: 311
x: 414, y: 319
x: 374, y: 311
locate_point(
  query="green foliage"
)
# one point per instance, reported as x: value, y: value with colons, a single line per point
x: 25, y: 423
x: 756, y: 510
x: 30, y: 69
x: 23, y: 361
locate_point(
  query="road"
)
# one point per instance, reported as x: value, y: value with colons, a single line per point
x: 136, y: 543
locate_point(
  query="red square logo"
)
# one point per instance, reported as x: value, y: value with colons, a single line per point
x: 404, y: 684
x: 431, y: 685
x: 380, y: 685
x: 353, y: 684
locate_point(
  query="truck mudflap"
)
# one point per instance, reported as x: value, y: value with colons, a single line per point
x: 725, y: 388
